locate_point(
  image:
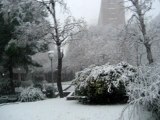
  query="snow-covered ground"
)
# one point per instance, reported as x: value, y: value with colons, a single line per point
x: 66, y: 84
x: 59, y: 109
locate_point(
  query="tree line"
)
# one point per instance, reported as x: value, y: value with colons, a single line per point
x: 25, y: 30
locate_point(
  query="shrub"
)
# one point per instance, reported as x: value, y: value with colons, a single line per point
x: 104, y: 84
x: 50, y: 91
x: 31, y: 94
x: 26, y: 83
x: 145, y: 90
x: 39, y: 86
x: 5, y: 87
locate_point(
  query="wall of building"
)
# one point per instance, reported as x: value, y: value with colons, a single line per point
x: 112, y: 12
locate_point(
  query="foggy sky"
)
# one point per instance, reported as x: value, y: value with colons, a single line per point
x: 89, y: 10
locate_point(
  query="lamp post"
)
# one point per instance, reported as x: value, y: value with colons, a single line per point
x: 19, y: 74
x: 50, y: 56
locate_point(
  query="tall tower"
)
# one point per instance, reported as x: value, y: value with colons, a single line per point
x: 111, y: 12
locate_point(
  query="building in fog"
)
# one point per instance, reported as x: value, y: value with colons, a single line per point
x: 111, y: 12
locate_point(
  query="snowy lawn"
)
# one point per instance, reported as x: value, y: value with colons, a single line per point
x: 59, y: 109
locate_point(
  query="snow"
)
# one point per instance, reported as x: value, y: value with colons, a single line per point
x: 31, y: 94
x: 59, y: 109
x: 111, y: 75
x: 66, y: 85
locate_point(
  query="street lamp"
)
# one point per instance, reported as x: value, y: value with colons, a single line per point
x: 19, y: 74
x: 62, y: 54
x: 50, y: 56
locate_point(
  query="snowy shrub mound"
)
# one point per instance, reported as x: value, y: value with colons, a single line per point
x: 145, y: 90
x: 31, y: 94
x: 104, y: 84
x: 50, y: 91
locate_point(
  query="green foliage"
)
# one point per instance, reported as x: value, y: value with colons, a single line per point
x: 16, y: 19
x: 97, y: 92
x: 4, y: 86
x: 50, y: 92
x: 5, y: 34
x: 22, y: 26
x: 19, y: 55
x: 105, y: 84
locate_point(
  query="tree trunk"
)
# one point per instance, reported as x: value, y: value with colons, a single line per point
x: 59, y: 75
x: 11, y: 79
x: 137, y: 54
x: 149, y: 53
x: 144, y: 32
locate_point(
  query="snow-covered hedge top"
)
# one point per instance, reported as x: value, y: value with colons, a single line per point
x: 112, y: 74
x: 31, y: 94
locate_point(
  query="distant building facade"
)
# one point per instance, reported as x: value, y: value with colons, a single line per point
x: 111, y: 12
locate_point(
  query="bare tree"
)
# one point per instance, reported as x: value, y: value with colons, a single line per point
x: 61, y: 32
x: 140, y: 8
x: 98, y: 45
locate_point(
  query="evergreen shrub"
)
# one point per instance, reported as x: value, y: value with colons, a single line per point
x: 104, y: 84
x: 31, y: 94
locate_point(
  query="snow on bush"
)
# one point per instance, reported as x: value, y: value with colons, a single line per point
x: 144, y: 92
x: 104, y: 84
x: 50, y: 91
x: 31, y: 94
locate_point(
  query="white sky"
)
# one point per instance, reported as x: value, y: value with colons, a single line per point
x: 89, y: 9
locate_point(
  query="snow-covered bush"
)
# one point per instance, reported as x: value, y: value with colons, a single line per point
x: 106, y: 83
x: 50, y: 91
x: 145, y: 90
x: 31, y: 94
x: 4, y: 86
